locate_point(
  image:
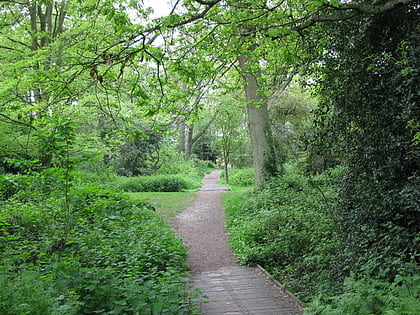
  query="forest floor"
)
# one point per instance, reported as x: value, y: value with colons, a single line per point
x: 229, y: 288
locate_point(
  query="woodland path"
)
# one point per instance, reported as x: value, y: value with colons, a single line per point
x: 231, y: 289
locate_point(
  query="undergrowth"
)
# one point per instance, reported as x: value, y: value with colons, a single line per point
x: 156, y: 183
x: 86, y: 249
x: 289, y: 226
x: 239, y: 177
x: 286, y: 228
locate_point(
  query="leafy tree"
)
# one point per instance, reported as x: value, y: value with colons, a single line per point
x: 138, y: 153
x: 230, y: 124
x: 368, y: 82
x: 290, y: 115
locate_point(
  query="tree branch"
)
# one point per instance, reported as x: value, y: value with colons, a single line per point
x: 204, y: 2
x: 373, y: 9
x: 347, y: 11
x: 11, y: 120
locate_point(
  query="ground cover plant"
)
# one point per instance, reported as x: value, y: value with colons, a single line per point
x: 157, y: 183
x: 86, y: 250
x: 286, y: 227
x: 289, y: 227
x: 239, y: 178
x: 174, y: 175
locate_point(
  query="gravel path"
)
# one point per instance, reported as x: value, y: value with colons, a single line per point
x: 202, y: 227
x: 231, y: 289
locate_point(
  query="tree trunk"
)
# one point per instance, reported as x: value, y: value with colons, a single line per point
x: 43, y: 30
x: 181, y: 139
x: 263, y: 152
x: 189, y: 144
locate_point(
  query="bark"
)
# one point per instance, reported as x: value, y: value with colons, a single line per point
x: 263, y: 152
x: 181, y: 139
x: 189, y: 144
x: 186, y: 142
x: 203, y: 131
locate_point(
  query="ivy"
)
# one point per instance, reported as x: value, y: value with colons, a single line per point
x: 367, y: 101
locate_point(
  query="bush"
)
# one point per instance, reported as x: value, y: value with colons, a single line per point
x: 370, y: 296
x: 242, y: 177
x: 93, y: 251
x: 11, y: 184
x: 289, y: 226
x: 160, y: 183
x: 286, y: 227
x: 100, y: 177
x: 29, y: 293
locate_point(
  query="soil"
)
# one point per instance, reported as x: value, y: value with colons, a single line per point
x: 202, y: 228
x: 229, y: 288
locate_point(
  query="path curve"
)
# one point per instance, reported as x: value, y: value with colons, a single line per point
x: 231, y: 289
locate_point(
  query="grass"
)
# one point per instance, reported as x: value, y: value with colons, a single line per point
x: 167, y: 204
x: 234, y: 196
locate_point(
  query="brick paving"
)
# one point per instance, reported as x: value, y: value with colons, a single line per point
x: 238, y: 290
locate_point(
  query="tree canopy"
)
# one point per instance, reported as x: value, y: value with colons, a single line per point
x: 329, y: 86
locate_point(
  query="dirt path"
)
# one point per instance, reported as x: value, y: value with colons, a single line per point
x: 230, y: 288
x: 202, y: 227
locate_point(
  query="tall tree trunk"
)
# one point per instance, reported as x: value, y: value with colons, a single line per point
x: 43, y: 30
x: 263, y: 152
x: 189, y: 144
x: 186, y: 142
x: 181, y: 139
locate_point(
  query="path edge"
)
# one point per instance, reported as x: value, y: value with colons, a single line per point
x: 281, y: 287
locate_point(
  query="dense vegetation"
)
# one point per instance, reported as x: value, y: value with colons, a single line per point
x: 348, y: 238
x: 86, y: 250
x: 290, y: 227
x: 103, y: 104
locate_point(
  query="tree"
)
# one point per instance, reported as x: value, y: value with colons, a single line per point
x: 368, y: 83
x: 59, y: 60
x: 290, y: 112
x: 230, y: 123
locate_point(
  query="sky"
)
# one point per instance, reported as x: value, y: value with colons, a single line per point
x: 160, y: 7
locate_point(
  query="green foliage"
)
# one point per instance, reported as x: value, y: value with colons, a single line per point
x: 290, y: 115
x: 157, y: 183
x: 369, y: 296
x: 92, y: 251
x: 30, y: 293
x: 11, y: 184
x: 138, y: 153
x: 368, y: 101
x: 204, y: 149
x: 241, y: 177
x: 174, y: 163
x: 287, y: 228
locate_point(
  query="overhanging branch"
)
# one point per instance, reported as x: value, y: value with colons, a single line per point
x: 346, y: 11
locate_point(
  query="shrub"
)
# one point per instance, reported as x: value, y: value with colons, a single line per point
x: 11, y: 184
x: 242, y: 177
x: 285, y: 227
x: 160, y: 183
x: 92, y: 252
x: 370, y: 296
x: 29, y: 293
